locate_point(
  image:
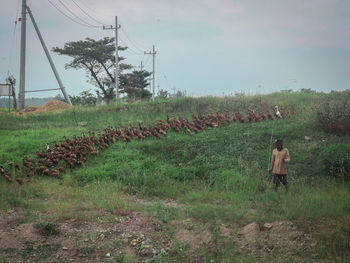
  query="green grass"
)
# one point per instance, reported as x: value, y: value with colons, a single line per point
x: 218, y: 175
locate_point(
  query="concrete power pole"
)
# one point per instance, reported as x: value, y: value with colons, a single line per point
x: 116, y: 67
x: 22, y: 91
x: 49, y: 58
x: 22, y: 57
x: 153, y: 72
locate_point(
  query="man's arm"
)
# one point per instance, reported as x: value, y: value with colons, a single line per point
x: 287, y: 159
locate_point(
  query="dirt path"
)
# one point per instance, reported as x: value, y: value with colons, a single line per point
x: 131, y: 236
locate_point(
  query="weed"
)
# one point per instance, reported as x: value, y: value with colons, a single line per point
x: 92, y: 236
x: 47, y: 228
x: 77, y: 242
x: 165, y: 214
x: 3, y: 259
x: 334, y: 239
x: 119, y: 258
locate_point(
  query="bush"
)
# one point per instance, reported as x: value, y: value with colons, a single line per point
x: 85, y: 98
x: 334, y: 117
x: 335, y: 161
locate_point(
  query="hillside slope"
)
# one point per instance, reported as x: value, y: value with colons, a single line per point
x: 212, y: 185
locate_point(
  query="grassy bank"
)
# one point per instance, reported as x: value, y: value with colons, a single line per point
x: 218, y: 175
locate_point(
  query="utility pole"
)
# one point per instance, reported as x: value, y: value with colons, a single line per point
x: 116, y: 67
x: 153, y: 75
x: 22, y: 91
x: 49, y: 58
x: 22, y: 57
x: 141, y: 66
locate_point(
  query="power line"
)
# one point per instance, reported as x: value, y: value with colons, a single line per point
x: 132, y: 42
x: 127, y: 50
x: 133, y: 52
x: 121, y: 40
x: 88, y: 14
x: 82, y: 20
x: 72, y: 19
x: 91, y: 10
x: 59, y: 10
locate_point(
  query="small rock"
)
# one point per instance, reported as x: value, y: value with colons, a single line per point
x: 108, y: 254
x: 64, y: 248
x: 307, y: 138
x: 86, y: 240
x: 268, y: 225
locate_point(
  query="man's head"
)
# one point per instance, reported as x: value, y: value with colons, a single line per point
x: 279, y: 144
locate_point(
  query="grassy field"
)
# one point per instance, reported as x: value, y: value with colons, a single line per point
x: 201, y: 191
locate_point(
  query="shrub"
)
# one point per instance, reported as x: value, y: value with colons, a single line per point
x: 335, y: 161
x: 85, y: 98
x: 334, y: 117
x: 47, y: 229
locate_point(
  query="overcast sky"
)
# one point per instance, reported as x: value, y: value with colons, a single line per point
x: 204, y: 47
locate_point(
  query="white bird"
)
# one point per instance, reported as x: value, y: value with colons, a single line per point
x: 277, y: 112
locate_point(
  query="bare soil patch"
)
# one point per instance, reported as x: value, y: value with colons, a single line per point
x: 280, y: 238
x: 139, y: 237
x: 135, y: 235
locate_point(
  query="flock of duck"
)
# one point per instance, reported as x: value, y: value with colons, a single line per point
x: 72, y: 153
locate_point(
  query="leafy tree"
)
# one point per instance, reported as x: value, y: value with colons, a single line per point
x: 134, y: 84
x: 97, y: 58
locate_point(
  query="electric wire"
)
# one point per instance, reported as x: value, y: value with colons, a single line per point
x: 88, y: 14
x: 70, y: 11
x: 129, y: 49
x: 91, y: 10
x: 132, y: 42
x: 72, y: 19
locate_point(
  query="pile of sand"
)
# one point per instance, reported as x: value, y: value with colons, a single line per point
x: 50, y: 106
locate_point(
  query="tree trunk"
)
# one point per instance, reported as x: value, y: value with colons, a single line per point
x: 93, y: 74
x: 109, y: 74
